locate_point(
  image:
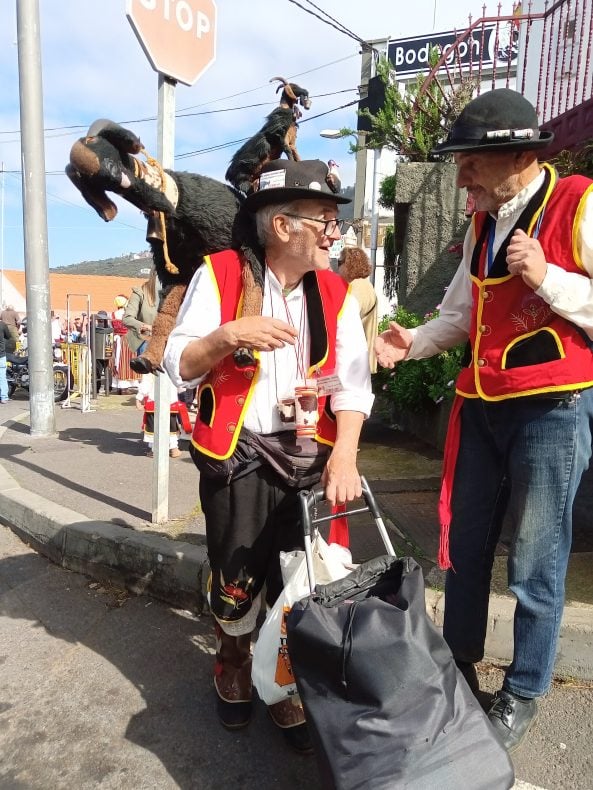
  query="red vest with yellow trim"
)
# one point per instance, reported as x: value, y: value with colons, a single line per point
x: 520, y: 347
x: 225, y: 394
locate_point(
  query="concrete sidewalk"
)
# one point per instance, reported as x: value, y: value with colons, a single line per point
x: 83, y: 499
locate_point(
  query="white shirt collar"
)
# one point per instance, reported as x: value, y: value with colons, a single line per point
x: 517, y: 203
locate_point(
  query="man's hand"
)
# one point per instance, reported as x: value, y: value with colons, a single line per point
x: 392, y: 346
x: 340, y: 478
x: 526, y: 258
x: 260, y: 333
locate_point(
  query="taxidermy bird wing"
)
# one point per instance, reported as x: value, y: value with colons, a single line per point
x: 103, y: 161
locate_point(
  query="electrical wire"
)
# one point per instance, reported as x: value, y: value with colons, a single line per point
x: 335, y: 24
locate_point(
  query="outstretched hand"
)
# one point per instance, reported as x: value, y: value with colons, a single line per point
x: 392, y: 346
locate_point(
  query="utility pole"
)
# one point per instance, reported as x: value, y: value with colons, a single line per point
x: 162, y: 385
x: 41, y: 390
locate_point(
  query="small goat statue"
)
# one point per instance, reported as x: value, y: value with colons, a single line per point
x: 276, y: 137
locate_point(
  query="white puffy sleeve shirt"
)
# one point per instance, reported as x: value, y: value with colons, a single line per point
x: 569, y: 294
x: 281, y: 369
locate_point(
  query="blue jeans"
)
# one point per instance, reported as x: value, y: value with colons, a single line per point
x: 3, y: 381
x: 523, y: 458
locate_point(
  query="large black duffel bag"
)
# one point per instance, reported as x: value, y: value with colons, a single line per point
x: 385, y: 702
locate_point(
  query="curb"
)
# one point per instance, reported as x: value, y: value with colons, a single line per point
x: 173, y: 571
x: 176, y: 572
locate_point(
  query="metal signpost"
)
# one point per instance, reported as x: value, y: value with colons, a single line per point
x: 178, y: 37
x: 41, y: 400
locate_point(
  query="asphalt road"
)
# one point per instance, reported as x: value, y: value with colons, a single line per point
x: 102, y: 690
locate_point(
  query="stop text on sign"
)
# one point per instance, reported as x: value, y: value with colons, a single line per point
x: 182, y: 13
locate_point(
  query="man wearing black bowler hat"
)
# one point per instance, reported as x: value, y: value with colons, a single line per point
x: 520, y: 432
x: 252, y: 455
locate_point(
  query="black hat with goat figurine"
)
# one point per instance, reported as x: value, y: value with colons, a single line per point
x: 283, y: 180
x: 499, y: 120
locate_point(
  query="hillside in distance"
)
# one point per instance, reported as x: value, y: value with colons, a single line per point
x: 134, y: 264
x: 138, y: 264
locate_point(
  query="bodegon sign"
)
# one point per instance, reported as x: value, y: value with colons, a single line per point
x: 410, y: 56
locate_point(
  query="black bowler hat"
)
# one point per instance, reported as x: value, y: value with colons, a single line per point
x: 499, y: 120
x: 283, y: 180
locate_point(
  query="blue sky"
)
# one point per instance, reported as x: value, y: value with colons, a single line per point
x: 93, y: 67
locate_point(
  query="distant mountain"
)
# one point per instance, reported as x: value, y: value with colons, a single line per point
x: 134, y: 264
x: 137, y: 264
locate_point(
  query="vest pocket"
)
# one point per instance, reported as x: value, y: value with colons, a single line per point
x: 206, y: 405
x: 536, y: 348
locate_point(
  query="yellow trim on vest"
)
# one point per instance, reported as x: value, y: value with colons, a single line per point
x: 514, y: 342
x: 240, y: 421
x: 208, y: 263
x: 576, y: 227
x: 321, y: 440
x: 239, y: 311
x: 544, y: 203
x: 466, y: 394
x: 202, y: 391
x: 578, y: 385
x: 318, y: 365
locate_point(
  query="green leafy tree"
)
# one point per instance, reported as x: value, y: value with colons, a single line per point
x: 389, y: 264
x: 419, y: 384
x: 569, y: 163
x: 387, y: 192
x: 415, y: 118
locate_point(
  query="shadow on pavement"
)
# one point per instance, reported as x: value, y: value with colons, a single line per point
x: 79, y: 702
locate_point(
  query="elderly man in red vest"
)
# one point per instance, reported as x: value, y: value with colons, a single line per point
x: 520, y: 432
x: 259, y: 437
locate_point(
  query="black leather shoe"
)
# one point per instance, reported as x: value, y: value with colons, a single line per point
x: 233, y: 715
x: 511, y: 717
x: 468, y: 671
x: 298, y: 739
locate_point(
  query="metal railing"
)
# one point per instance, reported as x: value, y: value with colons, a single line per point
x: 547, y: 54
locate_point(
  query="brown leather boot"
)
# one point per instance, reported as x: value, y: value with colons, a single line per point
x: 290, y: 717
x: 232, y: 679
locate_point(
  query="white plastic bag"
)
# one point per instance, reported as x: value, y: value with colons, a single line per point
x: 271, y: 670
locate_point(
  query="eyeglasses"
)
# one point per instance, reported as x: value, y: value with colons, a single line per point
x: 330, y: 224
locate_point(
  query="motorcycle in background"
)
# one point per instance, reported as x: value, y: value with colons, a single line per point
x: 17, y: 376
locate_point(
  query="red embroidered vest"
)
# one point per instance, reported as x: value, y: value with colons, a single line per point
x: 224, y: 395
x: 519, y: 345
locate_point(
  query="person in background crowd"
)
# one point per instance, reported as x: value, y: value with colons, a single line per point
x: 178, y: 417
x: 140, y: 313
x: 355, y: 267
x: 56, y: 328
x: 124, y: 380
x: 520, y: 433
x: 11, y: 318
x: 23, y: 343
x: 7, y: 346
x: 245, y: 443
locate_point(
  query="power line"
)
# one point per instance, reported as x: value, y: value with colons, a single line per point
x: 332, y: 23
x: 181, y: 114
x: 222, y: 146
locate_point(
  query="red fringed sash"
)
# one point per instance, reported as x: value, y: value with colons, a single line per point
x: 449, y: 461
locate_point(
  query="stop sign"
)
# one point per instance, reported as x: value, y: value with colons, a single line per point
x: 178, y: 36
